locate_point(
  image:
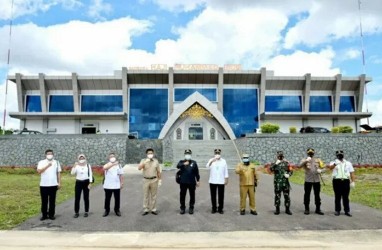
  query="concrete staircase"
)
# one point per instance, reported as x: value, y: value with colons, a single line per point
x: 202, y: 151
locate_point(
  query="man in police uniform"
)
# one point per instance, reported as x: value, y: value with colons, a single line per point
x: 248, y: 182
x: 151, y: 180
x: 343, y: 180
x: 189, y: 180
x: 313, y: 168
x: 282, y: 172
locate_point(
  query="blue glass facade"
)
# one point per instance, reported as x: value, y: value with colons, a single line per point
x: 240, y: 108
x: 347, y: 104
x: 101, y: 103
x: 61, y: 103
x: 180, y: 94
x: 286, y: 103
x: 148, y: 112
x: 33, y: 103
x: 320, y: 104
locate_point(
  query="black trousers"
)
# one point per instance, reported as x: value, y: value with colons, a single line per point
x: 117, y: 199
x: 220, y: 190
x: 341, y: 191
x: 316, y: 189
x: 81, y: 186
x: 183, y: 191
x: 48, y: 197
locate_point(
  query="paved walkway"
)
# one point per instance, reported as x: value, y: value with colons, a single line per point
x: 201, y: 230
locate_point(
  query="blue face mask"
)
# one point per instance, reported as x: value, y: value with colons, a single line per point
x: 245, y: 160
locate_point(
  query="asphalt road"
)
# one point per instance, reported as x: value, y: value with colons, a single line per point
x: 169, y: 219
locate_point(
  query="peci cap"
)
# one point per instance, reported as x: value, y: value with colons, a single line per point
x: 338, y: 152
x: 217, y: 151
x: 245, y: 155
x: 280, y: 153
x: 310, y: 150
x: 188, y: 151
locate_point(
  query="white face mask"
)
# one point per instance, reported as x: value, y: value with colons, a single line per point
x: 217, y: 157
x: 112, y: 159
x: 245, y: 160
x: 150, y: 156
x: 82, y: 161
x: 49, y: 157
x: 187, y: 157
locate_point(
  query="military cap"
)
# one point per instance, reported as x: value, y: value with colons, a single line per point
x: 187, y: 151
x: 245, y: 155
x: 310, y: 150
x: 217, y: 151
x: 338, y: 152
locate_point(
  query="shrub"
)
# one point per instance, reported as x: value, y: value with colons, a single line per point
x: 269, y: 128
x: 335, y: 130
x: 167, y: 164
x: 345, y: 129
x: 292, y: 130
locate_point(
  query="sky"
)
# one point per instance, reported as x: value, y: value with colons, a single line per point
x: 96, y: 37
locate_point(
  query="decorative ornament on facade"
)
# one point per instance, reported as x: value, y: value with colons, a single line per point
x: 196, y: 112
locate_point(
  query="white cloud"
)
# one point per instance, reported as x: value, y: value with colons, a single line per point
x: 12, y: 105
x: 98, y: 8
x: 300, y: 63
x: 352, y: 53
x: 31, y: 7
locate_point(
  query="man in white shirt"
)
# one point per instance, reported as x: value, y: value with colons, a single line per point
x: 113, y: 182
x: 50, y: 182
x: 218, y: 179
x: 343, y: 180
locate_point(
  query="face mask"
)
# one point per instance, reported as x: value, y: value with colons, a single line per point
x: 245, y: 160
x: 49, y: 157
x: 217, y: 157
x: 82, y: 161
x: 112, y: 159
x: 311, y: 154
x: 187, y: 157
x: 340, y: 156
x: 150, y: 156
x: 280, y: 157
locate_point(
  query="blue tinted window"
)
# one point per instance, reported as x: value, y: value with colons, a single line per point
x: 182, y: 93
x: 320, y: 104
x: 101, y: 103
x: 240, y: 108
x: 347, y: 104
x: 61, y: 103
x: 148, y: 112
x: 284, y: 103
x: 33, y: 103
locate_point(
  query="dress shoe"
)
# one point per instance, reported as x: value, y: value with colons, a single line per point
x: 118, y: 213
x: 277, y: 212
x: 348, y: 214
x: 253, y: 212
x: 52, y: 217
x: 86, y: 214
x: 337, y: 213
x: 76, y: 215
x: 287, y: 211
x: 145, y: 213
x: 191, y: 211
x: 154, y: 212
x: 213, y: 211
x: 105, y: 214
x: 319, y: 212
x: 221, y: 212
x: 306, y: 212
x: 43, y: 218
x: 182, y: 211
x: 242, y: 212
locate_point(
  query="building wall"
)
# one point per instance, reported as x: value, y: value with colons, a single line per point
x: 62, y: 126
x: 34, y: 125
x: 112, y: 126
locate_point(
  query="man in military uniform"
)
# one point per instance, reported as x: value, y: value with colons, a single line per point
x: 313, y: 168
x: 282, y: 172
x: 151, y: 180
x: 248, y: 182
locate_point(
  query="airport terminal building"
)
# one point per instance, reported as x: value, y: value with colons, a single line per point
x: 186, y: 102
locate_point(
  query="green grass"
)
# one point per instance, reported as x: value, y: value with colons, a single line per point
x: 20, y: 194
x: 368, y: 190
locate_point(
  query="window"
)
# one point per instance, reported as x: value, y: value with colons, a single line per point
x: 320, y: 104
x: 178, y: 134
x: 33, y: 103
x: 212, y: 134
x: 148, y: 111
x: 61, y: 103
x: 240, y: 108
x: 287, y: 103
x: 180, y: 94
x: 101, y: 103
x: 347, y: 104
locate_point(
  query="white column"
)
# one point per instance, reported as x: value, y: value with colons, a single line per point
x: 170, y: 90
x: 337, y: 95
x: 220, y: 89
x: 308, y: 81
x: 76, y: 95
